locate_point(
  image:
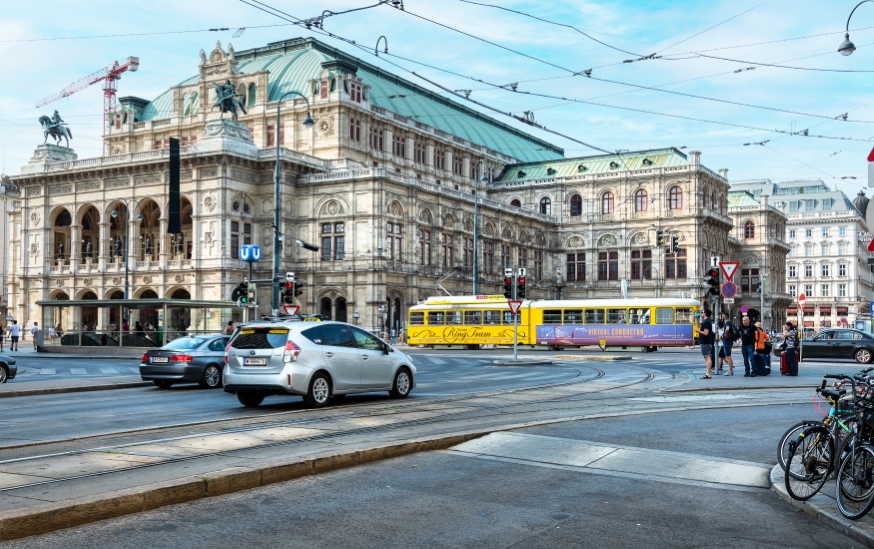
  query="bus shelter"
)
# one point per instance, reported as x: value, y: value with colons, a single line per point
x: 139, y: 323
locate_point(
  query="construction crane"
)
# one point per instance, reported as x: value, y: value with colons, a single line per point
x: 109, y: 76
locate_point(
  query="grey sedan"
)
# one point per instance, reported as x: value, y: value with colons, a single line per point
x: 7, y: 368
x: 193, y: 359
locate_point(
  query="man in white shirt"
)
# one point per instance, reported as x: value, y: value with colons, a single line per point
x: 14, y: 332
x: 33, y: 332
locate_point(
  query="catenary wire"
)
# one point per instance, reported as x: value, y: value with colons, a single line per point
x: 138, y: 34
x: 714, y: 26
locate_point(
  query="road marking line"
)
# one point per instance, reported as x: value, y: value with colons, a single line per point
x: 109, y: 370
x: 47, y: 371
x: 134, y: 370
x: 588, y: 456
x: 79, y: 371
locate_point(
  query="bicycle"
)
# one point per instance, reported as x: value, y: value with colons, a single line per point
x: 855, y: 475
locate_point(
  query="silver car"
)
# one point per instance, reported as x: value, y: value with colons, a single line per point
x: 316, y: 360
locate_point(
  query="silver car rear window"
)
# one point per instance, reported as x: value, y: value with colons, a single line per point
x: 184, y: 343
x: 260, y: 338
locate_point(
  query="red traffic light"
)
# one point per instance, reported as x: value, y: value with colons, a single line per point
x: 289, y: 285
x: 521, y: 280
x: 712, y: 273
x: 507, y: 281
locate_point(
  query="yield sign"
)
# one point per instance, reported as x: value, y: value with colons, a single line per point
x: 871, y: 245
x: 514, y: 306
x: 291, y: 309
x: 729, y: 268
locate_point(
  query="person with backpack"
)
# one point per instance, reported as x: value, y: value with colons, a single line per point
x: 728, y: 336
x: 790, y: 337
x: 763, y: 350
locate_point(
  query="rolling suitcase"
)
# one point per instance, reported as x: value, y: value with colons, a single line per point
x: 784, y: 363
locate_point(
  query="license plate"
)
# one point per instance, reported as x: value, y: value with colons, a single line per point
x: 255, y: 362
x: 160, y: 359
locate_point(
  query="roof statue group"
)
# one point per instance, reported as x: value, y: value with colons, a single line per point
x: 226, y: 100
x: 56, y: 127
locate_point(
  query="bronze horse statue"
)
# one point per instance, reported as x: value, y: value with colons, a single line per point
x: 56, y: 130
x: 226, y: 100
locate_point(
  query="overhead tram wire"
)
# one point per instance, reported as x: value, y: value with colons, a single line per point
x: 714, y: 26
x: 218, y: 29
x: 517, y: 118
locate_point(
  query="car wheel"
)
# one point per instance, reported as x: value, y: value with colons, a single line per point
x: 212, y: 377
x: 252, y: 400
x: 163, y: 383
x: 402, y: 384
x: 320, y: 391
x: 4, y: 373
x: 863, y: 356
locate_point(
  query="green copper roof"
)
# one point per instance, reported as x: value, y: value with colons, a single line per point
x: 566, y: 167
x: 741, y: 198
x: 293, y: 63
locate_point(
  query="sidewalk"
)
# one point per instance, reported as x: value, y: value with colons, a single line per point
x: 809, y: 376
x: 15, y: 388
x: 26, y: 351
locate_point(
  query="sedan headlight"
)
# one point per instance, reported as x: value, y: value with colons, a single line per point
x: 409, y: 358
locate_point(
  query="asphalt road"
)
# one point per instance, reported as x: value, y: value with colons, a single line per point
x: 444, y: 499
x: 48, y: 417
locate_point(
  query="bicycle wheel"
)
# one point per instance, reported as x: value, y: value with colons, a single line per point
x: 809, y: 462
x: 790, y: 435
x: 855, y: 485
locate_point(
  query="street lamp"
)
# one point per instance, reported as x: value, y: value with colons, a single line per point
x: 651, y: 269
x: 847, y: 47
x: 484, y: 179
x: 126, y: 240
x: 308, y: 123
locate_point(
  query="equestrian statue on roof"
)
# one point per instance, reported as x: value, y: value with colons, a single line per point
x: 56, y: 127
x: 226, y: 100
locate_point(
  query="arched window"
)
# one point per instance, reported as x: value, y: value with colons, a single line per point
x: 341, y: 309
x: 325, y: 308
x: 195, y: 103
x: 252, y: 94
x: 641, y: 200
x: 675, y: 197
x: 607, y: 203
x: 749, y: 229
x: 576, y: 205
x: 186, y: 105
x: 714, y: 205
x: 515, y: 202
x: 546, y: 206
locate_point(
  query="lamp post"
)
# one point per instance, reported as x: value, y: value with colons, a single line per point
x: 484, y: 179
x: 277, y: 207
x: 126, y: 239
x: 847, y: 47
x: 651, y: 269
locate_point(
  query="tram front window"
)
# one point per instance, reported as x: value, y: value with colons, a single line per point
x: 417, y: 319
x: 473, y: 318
x: 664, y: 316
x: 684, y: 316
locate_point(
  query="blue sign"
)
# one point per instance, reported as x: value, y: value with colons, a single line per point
x: 872, y: 308
x: 729, y: 290
x: 250, y: 253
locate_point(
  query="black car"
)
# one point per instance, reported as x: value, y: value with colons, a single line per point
x: 191, y: 359
x: 839, y: 344
x: 7, y: 368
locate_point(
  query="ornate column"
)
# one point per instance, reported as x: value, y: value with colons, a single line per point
x: 103, y: 245
x: 166, y: 245
x: 75, y: 244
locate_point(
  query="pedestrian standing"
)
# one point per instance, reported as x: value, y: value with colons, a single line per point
x: 393, y: 333
x: 723, y: 340
x: 51, y: 333
x: 748, y: 346
x: 230, y: 328
x: 706, y: 338
x: 14, y: 334
x: 790, y: 336
x: 58, y: 331
x: 729, y: 334
x: 762, y: 353
x: 33, y: 332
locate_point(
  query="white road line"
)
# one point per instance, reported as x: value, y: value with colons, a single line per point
x: 434, y: 360
x: 47, y: 371
x: 134, y: 370
x: 78, y: 371
x: 109, y: 370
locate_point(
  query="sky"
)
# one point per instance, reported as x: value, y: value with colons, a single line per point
x: 38, y: 58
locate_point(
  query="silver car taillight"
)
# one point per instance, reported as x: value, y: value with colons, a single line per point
x: 292, y: 351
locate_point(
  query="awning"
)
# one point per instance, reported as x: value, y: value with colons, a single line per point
x: 843, y: 310
x: 808, y: 310
x: 808, y: 323
x: 791, y: 310
x: 825, y: 310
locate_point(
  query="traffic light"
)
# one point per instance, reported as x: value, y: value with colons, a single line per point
x: 508, y: 287
x: 759, y: 286
x: 297, y: 288
x: 711, y: 278
x: 520, y: 287
x: 675, y: 244
x: 288, y: 293
x: 660, y: 238
x: 241, y: 292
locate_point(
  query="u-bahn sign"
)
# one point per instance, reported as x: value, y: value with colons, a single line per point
x: 250, y: 253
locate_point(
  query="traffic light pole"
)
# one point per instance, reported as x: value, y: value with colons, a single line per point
x: 515, y: 320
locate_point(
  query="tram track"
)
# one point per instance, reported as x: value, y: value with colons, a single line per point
x: 496, y: 411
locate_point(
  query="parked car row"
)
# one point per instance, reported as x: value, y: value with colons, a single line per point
x: 315, y: 360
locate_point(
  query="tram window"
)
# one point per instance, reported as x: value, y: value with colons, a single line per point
x: 552, y: 317
x: 473, y: 318
x: 616, y: 316
x: 664, y: 316
x: 637, y: 316
x: 417, y: 319
x: 436, y: 319
x: 573, y: 317
x: 491, y: 317
x: 453, y: 318
x: 508, y: 318
x: 594, y: 316
x: 684, y: 316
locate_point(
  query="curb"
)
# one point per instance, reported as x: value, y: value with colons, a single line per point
x: 83, y: 389
x: 824, y: 509
x: 713, y: 389
x: 45, y: 518
x: 48, y: 356
x: 523, y: 363
x: 595, y: 358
